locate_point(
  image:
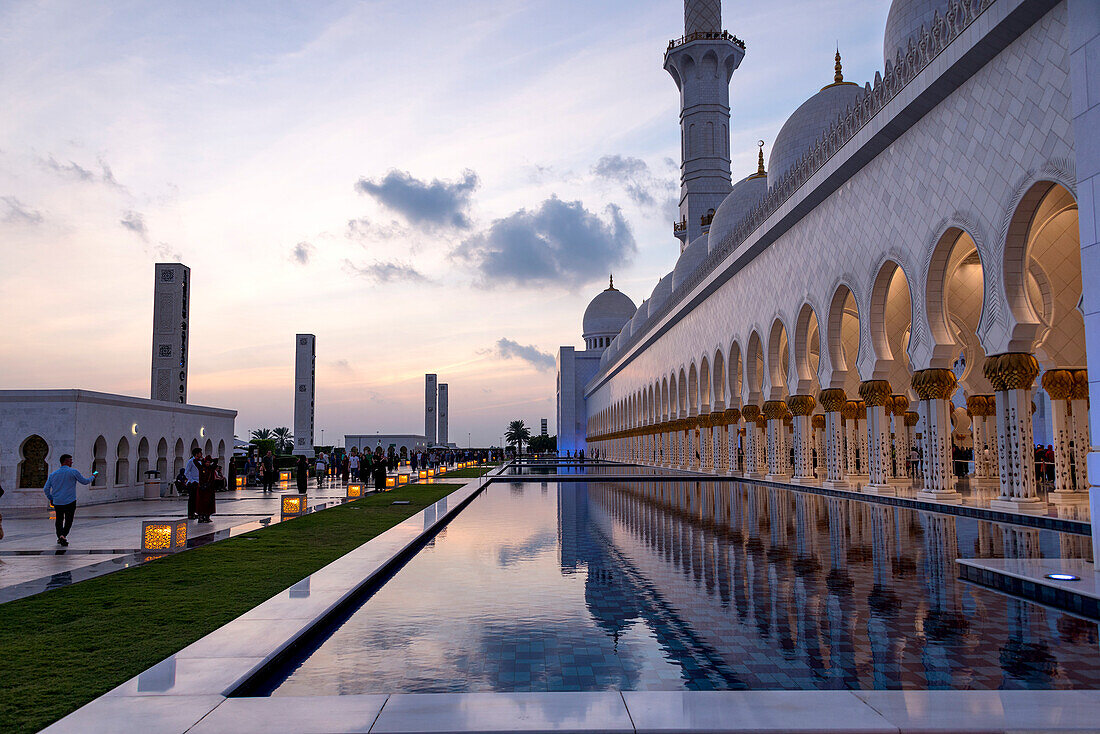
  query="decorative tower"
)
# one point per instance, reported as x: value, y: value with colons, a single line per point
x: 171, y: 308
x: 702, y: 63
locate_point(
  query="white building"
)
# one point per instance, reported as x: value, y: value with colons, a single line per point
x: 914, y: 241
x: 403, y: 443
x: 119, y: 436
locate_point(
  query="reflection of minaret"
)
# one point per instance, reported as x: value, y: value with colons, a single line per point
x: 842, y: 622
x: 572, y: 521
x: 944, y: 625
x: 702, y: 64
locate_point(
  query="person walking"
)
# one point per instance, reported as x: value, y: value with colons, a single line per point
x: 302, y: 473
x: 192, y: 474
x: 353, y: 465
x: 60, y: 490
x: 322, y: 467
x: 269, y: 471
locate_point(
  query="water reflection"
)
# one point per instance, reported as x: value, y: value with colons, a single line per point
x: 688, y: 585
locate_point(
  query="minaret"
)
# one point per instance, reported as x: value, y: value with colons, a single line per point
x: 702, y: 63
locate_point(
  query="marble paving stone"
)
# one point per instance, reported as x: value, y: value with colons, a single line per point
x: 188, y: 677
x: 18, y: 569
x: 246, y: 638
x: 113, y: 714
x: 504, y: 712
x: 302, y: 715
x: 751, y: 711
x: 987, y: 711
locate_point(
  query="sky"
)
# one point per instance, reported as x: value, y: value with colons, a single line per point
x: 426, y: 186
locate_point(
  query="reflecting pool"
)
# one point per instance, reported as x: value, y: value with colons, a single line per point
x: 584, y: 586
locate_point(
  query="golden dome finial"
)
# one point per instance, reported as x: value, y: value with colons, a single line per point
x: 760, y: 158
x: 838, y: 75
x: 611, y: 281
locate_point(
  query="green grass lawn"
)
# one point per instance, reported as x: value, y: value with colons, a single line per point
x: 61, y: 649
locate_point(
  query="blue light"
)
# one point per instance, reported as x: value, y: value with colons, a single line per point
x: 1063, y: 577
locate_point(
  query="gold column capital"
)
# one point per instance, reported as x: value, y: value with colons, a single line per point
x: 911, y: 418
x: 774, y: 409
x: 832, y: 399
x: 935, y: 384
x: 802, y: 404
x: 750, y: 412
x: 875, y: 392
x: 1080, y: 385
x: 1011, y: 371
x: 899, y: 404
x: 818, y: 421
x: 733, y: 415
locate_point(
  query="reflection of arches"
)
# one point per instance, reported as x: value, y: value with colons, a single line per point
x: 162, y: 458
x: 122, y: 461
x: 99, y: 461
x: 143, y: 459
x: 32, y: 468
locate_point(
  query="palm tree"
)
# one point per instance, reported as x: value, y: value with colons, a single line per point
x: 283, y: 439
x: 260, y: 434
x: 517, y: 434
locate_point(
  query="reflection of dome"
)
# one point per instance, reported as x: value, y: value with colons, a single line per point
x: 660, y: 294
x: 746, y: 194
x: 905, y: 20
x: 690, y: 259
x: 605, y: 316
x: 809, y: 122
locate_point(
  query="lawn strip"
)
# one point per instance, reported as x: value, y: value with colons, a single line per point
x: 63, y: 648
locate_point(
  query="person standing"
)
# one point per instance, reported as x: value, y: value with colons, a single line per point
x: 302, y: 473
x: 60, y: 490
x: 322, y: 467
x: 204, y: 491
x: 192, y: 474
x: 379, y: 470
x: 269, y: 471
x: 353, y: 465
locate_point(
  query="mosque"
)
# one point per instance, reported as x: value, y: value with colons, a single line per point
x: 904, y: 273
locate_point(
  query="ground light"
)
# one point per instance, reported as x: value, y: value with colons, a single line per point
x: 293, y: 505
x: 423, y: 474
x: 391, y: 482
x: 163, y: 536
x: 284, y: 476
x: 240, y: 482
x: 355, y: 490
x: 1063, y: 577
x: 403, y: 479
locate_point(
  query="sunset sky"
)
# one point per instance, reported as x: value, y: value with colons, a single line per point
x: 426, y: 186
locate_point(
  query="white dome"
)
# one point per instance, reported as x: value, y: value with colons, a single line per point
x: 808, y: 123
x: 608, y: 313
x: 660, y: 294
x: 905, y: 20
x: 690, y: 259
x: 746, y: 193
x: 640, y: 318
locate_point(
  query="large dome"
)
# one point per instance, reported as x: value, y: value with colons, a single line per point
x: 608, y: 312
x: 746, y: 193
x: 690, y: 259
x: 905, y: 20
x: 808, y: 123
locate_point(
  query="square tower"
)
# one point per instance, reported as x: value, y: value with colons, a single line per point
x: 305, y: 388
x: 171, y: 309
x: 429, y: 409
x: 442, y: 418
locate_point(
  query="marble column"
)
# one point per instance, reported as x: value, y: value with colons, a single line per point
x: 729, y: 440
x: 853, y: 472
x: 1082, y: 437
x: 1059, y: 386
x: 982, y: 408
x: 817, y: 422
x: 861, y: 432
x: 752, y: 441
x: 801, y: 408
x: 1012, y: 376
x: 875, y: 394
x: 899, y: 404
x: 833, y: 401
x: 934, y: 388
x: 774, y: 412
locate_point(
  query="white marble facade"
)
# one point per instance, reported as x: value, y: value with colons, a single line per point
x: 118, y: 435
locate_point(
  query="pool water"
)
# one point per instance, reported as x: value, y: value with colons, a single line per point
x: 585, y: 586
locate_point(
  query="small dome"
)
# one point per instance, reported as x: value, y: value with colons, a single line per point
x: 690, y: 259
x: 746, y: 193
x: 660, y: 294
x: 640, y: 318
x: 608, y: 312
x: 808, y: 123
x: 904, y: 21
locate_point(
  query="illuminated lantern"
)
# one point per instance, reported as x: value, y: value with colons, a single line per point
x: 403, y: 479
x: 355, y: 490
x: 284, y: 475
x: 391, y: 482
x: 240, y: 482
x: 431, y: 472
x: 423, y: 474
x: 163, y: 536
x: 293, y: 505
x: 442, y: 470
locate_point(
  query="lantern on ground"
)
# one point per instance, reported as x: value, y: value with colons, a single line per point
x: 284, y: 475
x: 163, y: 536
x: 355, y: 490
x: 391, y: 482
x: 293, y: 505
x: 241, y: 482
x: 403, y: 479
x: 423, y: 474
x: 431, y: 472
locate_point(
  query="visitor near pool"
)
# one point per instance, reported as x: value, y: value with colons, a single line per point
x: 60, y: 490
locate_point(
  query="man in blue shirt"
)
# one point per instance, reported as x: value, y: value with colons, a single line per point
x: 60, y: 490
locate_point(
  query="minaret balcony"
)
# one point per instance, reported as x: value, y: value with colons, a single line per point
x: 707, y: 36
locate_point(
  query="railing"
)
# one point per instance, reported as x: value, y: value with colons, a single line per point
x: 706, y: 219
x: 680, y: 226
x: 922, y: 48
x: 707, y: 36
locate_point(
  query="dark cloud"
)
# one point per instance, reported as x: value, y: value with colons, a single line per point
x: 560, y: 243
x: 135, y: 222
x: 387, y: 272
x: 435, y: 203
x: 301, y: 253
x: 19, y: 213
x: 639, y: 183
x: 508, y: 349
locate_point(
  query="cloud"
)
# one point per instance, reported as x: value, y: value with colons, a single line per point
x: 639, y: 183
x: 508, y: 349
x: 434, y: 203
x: 560, y: 243
x: 77, y: 172
x: 387, y: 272
x: 20, y: 213
x: 301, y: 253
x: 135, y: 222
x: 363, y: 229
